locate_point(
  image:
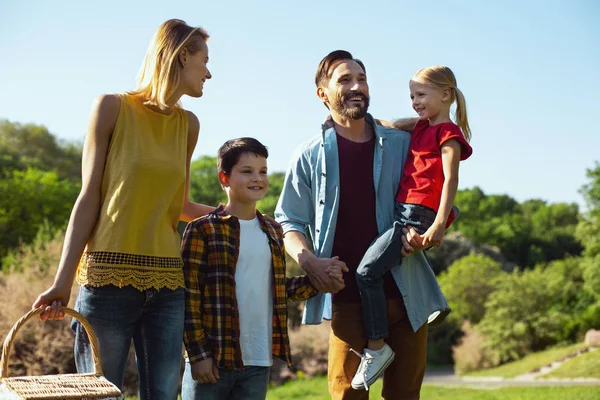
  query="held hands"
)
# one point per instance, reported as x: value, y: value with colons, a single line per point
x: 324, y: 273
x: 434, y: 235
x: 54, y: 299
x: 205, y: 371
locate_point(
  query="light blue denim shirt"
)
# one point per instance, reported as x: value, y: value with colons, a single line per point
x: 310, y: 201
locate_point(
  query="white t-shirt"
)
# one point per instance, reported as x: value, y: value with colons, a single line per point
x: 253, y: 288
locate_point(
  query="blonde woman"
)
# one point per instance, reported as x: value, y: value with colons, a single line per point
x: 122, y: 242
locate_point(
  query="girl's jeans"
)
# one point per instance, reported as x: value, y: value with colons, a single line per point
x: 152, y: 318
x: 383, y: 254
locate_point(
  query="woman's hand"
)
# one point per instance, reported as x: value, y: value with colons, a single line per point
x: 53, y: 299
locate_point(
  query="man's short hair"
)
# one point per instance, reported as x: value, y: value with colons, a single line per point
x: 325, y: 70
x: 229, y: 154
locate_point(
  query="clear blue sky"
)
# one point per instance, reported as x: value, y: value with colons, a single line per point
x: 528, y: 69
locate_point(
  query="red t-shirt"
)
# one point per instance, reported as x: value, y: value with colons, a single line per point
x: 423, y: 177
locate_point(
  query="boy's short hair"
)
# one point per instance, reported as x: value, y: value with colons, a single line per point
x: 229, y: 154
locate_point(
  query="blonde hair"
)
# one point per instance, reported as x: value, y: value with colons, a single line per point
x: 442, y: 77
x: 159, y: 76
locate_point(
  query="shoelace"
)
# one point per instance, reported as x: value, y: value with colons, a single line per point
x: 365, y: 363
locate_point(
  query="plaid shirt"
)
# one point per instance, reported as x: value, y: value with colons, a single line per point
x: 210, y: 251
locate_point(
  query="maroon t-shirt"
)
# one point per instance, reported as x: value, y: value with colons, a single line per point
x: 356, y: 221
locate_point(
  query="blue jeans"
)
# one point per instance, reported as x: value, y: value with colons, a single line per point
x: 382, y: 255
x: 152, y: 318
x: 250, y: 384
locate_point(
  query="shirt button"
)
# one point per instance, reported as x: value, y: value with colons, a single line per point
x: 316, y: 230
x: 321, y: 202
x: 323, y: 174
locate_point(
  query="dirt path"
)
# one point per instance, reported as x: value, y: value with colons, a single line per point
x: 446, y: 377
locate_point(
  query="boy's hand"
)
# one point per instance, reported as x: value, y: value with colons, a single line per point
x: 434, y: 235
x: 205, y: 371
x: 335, y: 272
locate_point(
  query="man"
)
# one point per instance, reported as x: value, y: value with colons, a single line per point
x: 341, y: 187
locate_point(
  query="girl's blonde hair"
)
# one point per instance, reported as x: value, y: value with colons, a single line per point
x: 159, y: 76
x: 442, y: 77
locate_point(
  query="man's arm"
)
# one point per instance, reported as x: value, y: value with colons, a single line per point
x: 318, y: 269
x: 295, y: 212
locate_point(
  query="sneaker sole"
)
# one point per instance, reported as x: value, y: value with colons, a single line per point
x: 377, y: 374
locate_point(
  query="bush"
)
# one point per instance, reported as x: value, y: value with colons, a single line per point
x: 440, y: 340
x: 471, y: 353
x: 521, y: 316
x: 38, y: 348
x: 468, y: 283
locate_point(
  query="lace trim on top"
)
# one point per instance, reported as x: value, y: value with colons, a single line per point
x: 123, y: 269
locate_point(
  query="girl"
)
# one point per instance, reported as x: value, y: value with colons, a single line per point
x: 424, y: 201
x: 122, y: 240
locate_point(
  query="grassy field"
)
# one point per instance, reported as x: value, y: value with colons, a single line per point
x: 585, y: 366
x: 316, y: 389
x: 528, y: 363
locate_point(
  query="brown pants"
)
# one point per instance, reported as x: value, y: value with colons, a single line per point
x: 402, y: 379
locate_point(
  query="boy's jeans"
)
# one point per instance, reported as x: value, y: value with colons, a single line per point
x: 383, y: 254
x: 152, y: 318
x: 250, y: 384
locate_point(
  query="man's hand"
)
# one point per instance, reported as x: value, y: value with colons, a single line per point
x: 324, y: 273
x: 411, y: 241
x: 434, y: 235
x: 205, y: 371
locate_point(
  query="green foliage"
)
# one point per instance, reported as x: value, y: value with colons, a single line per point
x: 32, y: 146
x: 533, y: 309
x: 204, y: 182
x: 269, y: 202
x: 588, y: 230
x: 468, y: 283
x: 527, y: 233
x: 27, y: 199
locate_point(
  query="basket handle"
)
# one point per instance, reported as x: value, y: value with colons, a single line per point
x: 11, y: 336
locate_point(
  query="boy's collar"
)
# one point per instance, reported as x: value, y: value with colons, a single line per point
x: 222, y: 213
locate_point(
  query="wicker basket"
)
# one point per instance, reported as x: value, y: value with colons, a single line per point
x: 65, y: 386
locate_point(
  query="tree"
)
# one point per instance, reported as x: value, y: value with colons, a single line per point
x: 522, y: 315
x: 28, y: 199
x: 204, y: 182
x: 33, y: 146
x: 588, y: 229
x: 467, y: 285
x: 527, y: 234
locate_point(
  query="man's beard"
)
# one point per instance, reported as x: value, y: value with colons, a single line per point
x: 351, y: 112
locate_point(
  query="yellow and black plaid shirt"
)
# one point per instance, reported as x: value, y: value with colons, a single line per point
x: 210, y: 252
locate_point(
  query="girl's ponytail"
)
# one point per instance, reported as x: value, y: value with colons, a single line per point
x: 461, y: 114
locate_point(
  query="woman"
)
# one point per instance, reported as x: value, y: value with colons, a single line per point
x: 122, y: 241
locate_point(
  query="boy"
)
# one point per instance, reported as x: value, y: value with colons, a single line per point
x: 236, y: 288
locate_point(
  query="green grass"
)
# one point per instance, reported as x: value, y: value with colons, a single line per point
x: 585, y: 366
x: 529, y: 363
x: 316, y: 389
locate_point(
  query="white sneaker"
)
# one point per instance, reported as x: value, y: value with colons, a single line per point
x: 372, y: 365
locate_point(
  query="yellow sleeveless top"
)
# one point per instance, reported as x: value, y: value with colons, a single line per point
x: 135, y: 241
